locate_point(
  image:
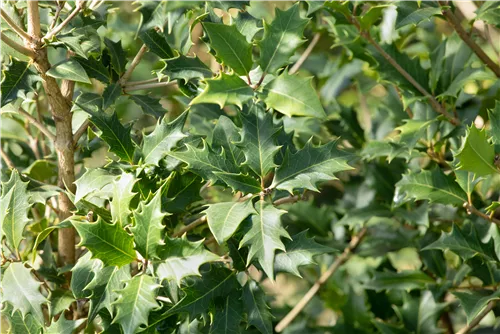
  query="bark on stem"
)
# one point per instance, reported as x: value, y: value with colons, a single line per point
x: 133, y: 65
x: 17, y: 47
x: 478, y: 319
x: 23, y: 34
x: 37, y: 124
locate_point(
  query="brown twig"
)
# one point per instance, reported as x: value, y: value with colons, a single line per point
x: 43, y: 129
x: 18, y: 47
x: 200, y: 221
x: 142, y: 82
x: 137, y: 59
x: 341, y: 259
x: 53, y: 32
x: 149, y: 86
x: 306, y: 54
x: 478, y: 319
x: 471, y: 209
x: 23, y: 34
x: 6, y: 158
x: 81, y: 130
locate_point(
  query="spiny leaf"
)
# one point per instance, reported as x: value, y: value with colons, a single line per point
x: 18, y: 79
x: 63, y: 325
x: 467, y: 181
x: 228, y: 316
x: 255, y: 304
x: 231, y: 46
x: 292, y: 95
x: 82, y: 273
x: 122, y: 196
x: 434, y: 186
x: 24, y: 291
x: 92, y: 180
x: 110, y: 94
x: 281, y: 38
x: 224, y: 90
x: 247, y: 25
x: 309, y: 166
x: 108, y: 242
x: 411, y: 132
x: 179, y: 191
x: 157, y: 43
x: 69, y: 69
x: 181, y: 258
x: 476, y: 154
x: 225, y: 218
x: 20, y: 324
x: 420, y: 315
x: 405, y: 280
x: 186, y: 68
x: 149, y: 105
x: 163, y: 139
x: 60, y: 300
x: 494, y: 117
x: 134, y: 303
x: 264, y: 236
x: 148, y: 227
x: 224, y: 137
x: 475, y: 301
x: 14, y: 205
x: 94, y: 68
x: 118, y: 56
x: 245, y: 183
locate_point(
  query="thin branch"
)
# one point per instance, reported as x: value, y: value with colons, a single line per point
x: 455, y: 23
x: 18, y: 47
x: 37, y: 124
x: 471, y: 209
x: 6, y: 158
x: 142, y: 82
x: 196, y: 223
x: 306, y: 54
x: 56, y: 16
x: 341, y: 259
x: 478, y: 319
x: 57, y: 29
x: 290, y: 199
x: 149, y: 86
x: 23, y: 34
x: 133, y: 65
x: 81, y: 130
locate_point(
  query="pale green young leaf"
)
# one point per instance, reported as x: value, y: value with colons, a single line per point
x: 82, y: 273
x: 475, y: 301
x: 224, y: 90
x: 63, y: 325
x: 93, y: 180
x: 69, y: 69
x: 20, y: 324
x: 467, y: 181
x: 476, y: 154
x: 135, y: 302
x: 281, y: 38
x: 122, y: 196
x: 292, y: 95
x: 18, y: 79
x: 258, y: 312
x: 411, y: 132
x: 108, y: 242
x: 310, y: 166
x: 263, y: 237
x: 225, y: 218
x: 230, y: 46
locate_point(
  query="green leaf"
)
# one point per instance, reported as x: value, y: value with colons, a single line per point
x: 134, y: 303
x: 414, y: 17
x: 240, y: 182
x: 149, y: 105
x: 181, y: 258
x: 434, y: 186
x: 281, y: 38
x: 465, y: 242
x: 103, y: 288
x: 163, y: 139
x: 405, y: 280
x: 82, y: 273
x: 264, y: 236
x: 180, y: 191
x: 108, y: 242
x: 157, y: 43
x: 371, y: 16
x: 465, y: 76
x: 476, y: 154
x: 467, y: 181
x: 420, y: 315
x: 73, y: 43
x: 24, y: 290
x: 114, y: 134
x: 63, y: 325
x: 247, y: 25
x: 94, y: 68
x: 474, y: 302
x: 292, y: 95
x: 69, y: 69
x: 148, y: 227
x: 18, y: 79
x: 14, y: 205
x: 60, y: 300
x: 186, y: 68
x: 91, y: 181
x: 225, y: 218
x: 122, y: 196
x: 258, y: 312
x: 494, y: 117
x: 224, y: 90
x: 118, y: 56
x: 258, y: 139
x: 20, y: 324
x: 224, y: 137
x: 299, y: 252
x: 110, y: 94
x: 228, y: 316
x: 411, y: 132
x: 309, y: 166
x: 230, y: 46
x: 489, y: 13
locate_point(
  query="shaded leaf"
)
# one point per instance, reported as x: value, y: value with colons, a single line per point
x: 405, y: 280
x: 82, y: 273
x: 63, y: 325
x: 475, y: 301
x: 186, y: 68
x: 258, y: 312
x: 118, y: 56
x: 18, y: 79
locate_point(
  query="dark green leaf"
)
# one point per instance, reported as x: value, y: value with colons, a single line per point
x: 255, y: 304
x: 118, y: 56
x: 157, y: 43
x: 186, y: 68
x: 149, y: 105
x: 69, y: 69
x: 18, y: 79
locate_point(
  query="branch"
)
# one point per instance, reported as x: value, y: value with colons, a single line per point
x: 18, y: 47
x: 326, y: 275
x: 37, y: 124
x: 57, y: 29
x: 133, y: 65
x: 478, y: 319
x: 6, y: 158
x: 471, y: 209
x: 306, y: 54
x: 455, y: 23
x: 23, y: 34
x: 196, y: 223
x: 81, y: 130
x: 142, y: 82
x: 149, y: 86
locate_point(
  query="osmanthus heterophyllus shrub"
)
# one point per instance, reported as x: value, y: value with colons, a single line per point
x: 226, y: 166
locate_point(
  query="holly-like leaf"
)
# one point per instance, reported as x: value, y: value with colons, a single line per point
x: 225, y: 218
x: 247, y: 25
x: 118, y: 56
x: 476, y: 154
x: 108, y: 242
x: 228, y: 316
x: 309, y: 166
x: 433, y: 185
x: 103, y: 288
x: 224, y: 137
x: 264, y: 236
x: 258, y: 139
x: 60, y: 300
x: 224, y: 90
x: 405, y: 280
x: 18, y: 79
x: 94, y: 68
x: 20, y: 324
x: 69, y: 69
x: 240, y: 182
x: 23, y: 291
x: 157, y: 43
x: 82, y: 274
x: 494, y: 117
x: 281, y: 38
x: 149, y: 105
x: 420, y: 315
x: 255, y: 304
x: 474, y: 302
x: 14, y: 205
x: 63, y: 325
x: 467, y: 181
x: 230, y: 46
x: 292, y: 95
x: 91, y: 181
x: 299, y: 252
x: 186, y: 68
x: 114, y: 134
x: 110, y: 94
x: 411, y: 132
x: 148, y: 227
x: 179, y: 191
x: 465, y: 242
x: 410, y: 13
x: 122, y: 196
x: 163, y: 139
x: 181, y: 258
x: 134, y: 303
